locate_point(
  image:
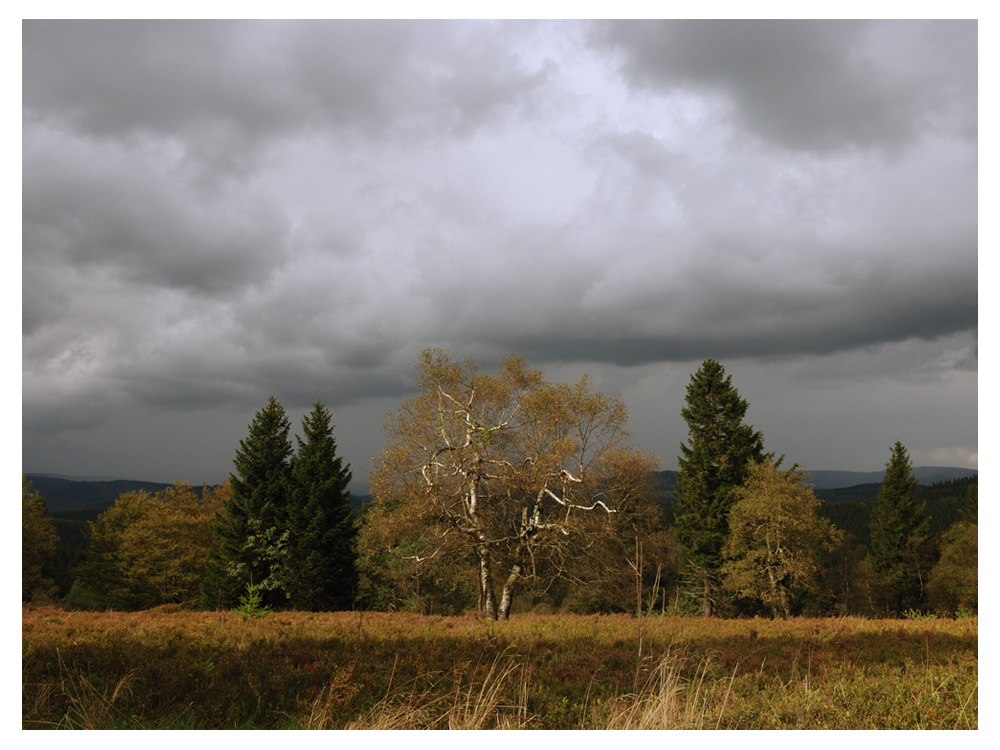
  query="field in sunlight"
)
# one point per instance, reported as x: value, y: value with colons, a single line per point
x: 167, y: 668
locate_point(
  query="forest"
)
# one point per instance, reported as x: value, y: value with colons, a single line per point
x: 518, y: 564
x: 500, y: 492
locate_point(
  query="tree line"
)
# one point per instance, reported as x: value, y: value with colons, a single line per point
x: 503, y: 487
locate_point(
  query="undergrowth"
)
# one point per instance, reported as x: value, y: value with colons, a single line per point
x: 171, y: 669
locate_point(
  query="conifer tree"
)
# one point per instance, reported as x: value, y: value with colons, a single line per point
x: 711, y: 468
x: 321, y: 558
x: 252, y: 531
x: 898, y: 531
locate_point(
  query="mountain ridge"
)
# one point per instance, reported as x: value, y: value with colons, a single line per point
x: 78, y: 494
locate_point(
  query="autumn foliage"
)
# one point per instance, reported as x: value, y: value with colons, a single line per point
x: 505, y: 474
x: 149, y: 549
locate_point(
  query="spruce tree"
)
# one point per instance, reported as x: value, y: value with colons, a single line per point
x: 898, y: 530
x: 321, y: 558
x: 711, y: 468
x: 252, y: 530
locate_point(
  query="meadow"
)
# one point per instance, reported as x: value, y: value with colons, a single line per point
x: 172, y: 669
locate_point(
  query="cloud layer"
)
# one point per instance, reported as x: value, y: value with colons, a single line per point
x: 216, y: 211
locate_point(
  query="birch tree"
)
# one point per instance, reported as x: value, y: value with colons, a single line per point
x: 505, y: 469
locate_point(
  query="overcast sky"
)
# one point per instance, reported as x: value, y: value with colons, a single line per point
x: 216, y: 212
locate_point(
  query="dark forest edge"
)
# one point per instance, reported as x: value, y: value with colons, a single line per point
x: 849, y: 508
x: 577, y: 522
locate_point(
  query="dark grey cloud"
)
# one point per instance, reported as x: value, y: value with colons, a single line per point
x: 221, y: 92
x: 214, y: 212
x: 816, y: 85
x: 84, y: 206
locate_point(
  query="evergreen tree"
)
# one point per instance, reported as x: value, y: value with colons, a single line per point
x: 898, y: 531
x: 252, y: 530
x: 711, y: 468
x: 322, y: 572
x: 970, y: 514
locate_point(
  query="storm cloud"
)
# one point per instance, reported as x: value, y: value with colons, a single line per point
x: 217, y: 211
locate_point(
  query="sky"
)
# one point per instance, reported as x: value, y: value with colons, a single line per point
x: 215, y: 212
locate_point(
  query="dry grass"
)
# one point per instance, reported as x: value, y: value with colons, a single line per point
x: 482, y: 704
x: 208, y: 670
x: 87, y: 706
x: 666, y: 701
x: 486, y: 706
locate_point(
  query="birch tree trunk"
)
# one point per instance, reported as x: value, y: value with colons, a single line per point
x: 486, y: 593
x: 473, y: 449
x: 507, y: 597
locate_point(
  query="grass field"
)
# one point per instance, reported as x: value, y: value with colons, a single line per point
x: 168, y: 669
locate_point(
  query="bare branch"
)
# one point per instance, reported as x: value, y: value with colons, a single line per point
x: 420, y: 559
x: 559, y: 444
x: 576, y: 506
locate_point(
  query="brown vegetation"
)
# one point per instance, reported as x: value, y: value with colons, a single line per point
x: 167, y: 668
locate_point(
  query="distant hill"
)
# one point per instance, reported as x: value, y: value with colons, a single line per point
x: 78, y: 498
x: 866, y: 491
x: 822, y: 479
x: 849, y: 480
x: 62, y: 494
x: 88, y: 496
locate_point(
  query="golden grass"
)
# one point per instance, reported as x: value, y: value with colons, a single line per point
x: 170, y: 669
x: 666, y: 701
